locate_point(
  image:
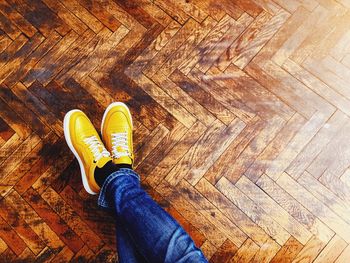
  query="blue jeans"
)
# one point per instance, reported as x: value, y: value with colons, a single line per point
x: 145, y: 232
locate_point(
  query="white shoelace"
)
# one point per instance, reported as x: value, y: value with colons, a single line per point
x: 120, y: 141
x: 96, y: 147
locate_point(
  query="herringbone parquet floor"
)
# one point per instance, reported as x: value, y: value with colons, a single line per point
x: 242, y: 123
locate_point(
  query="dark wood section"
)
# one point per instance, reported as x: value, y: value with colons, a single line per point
x: 241, y: 112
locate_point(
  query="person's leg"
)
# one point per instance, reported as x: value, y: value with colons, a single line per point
x: 146, y: 226
x: 127, y: 251
x: 155, y: 234
x: 95, y: 163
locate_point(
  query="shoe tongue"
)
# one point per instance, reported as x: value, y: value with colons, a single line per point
x: 103, y: 161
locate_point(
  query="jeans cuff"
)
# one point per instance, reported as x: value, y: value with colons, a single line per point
x: 104, y: 199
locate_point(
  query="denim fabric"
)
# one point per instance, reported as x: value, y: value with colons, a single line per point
x: 145, y: 232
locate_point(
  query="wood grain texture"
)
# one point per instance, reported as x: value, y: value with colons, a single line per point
x: 241, y: 112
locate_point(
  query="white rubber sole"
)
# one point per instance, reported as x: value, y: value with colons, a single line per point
x: 108, y: 109
x: 71, y: 147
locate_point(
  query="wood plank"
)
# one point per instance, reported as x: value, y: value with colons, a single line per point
x: 253, y: 211
x: 232, y: 212
x: 246, y: 252
x: 11, y: 216
x: 11, y: 237
x: 254, y: 148
x: 162, y: 56
x: 298, y: 142
x: 162, y: 149
x: 3, y: 246
x: 54, y: 221
x: 296, y: 39
x: 15, y: 17
x: 137, y: 12
x: 192, y: 10
x: 274, y: 148
x: 20, y: 55
x: 319, y: 87
x: 335, y: 148
x: 186, y: 101
x: 27, y: 254
x: 84, y: 254
x: 204, y: 98
x: 185, y: 49
x: 36, y: 223
x: 338, y: 17
x: 323, y: 194
x: 310, y: 251
x: 37, y: 72
x: 295, y: 209
x: 332, y: 220
x: 32, y: 59
x: 18, y: 155
x: 161, y: 97
x: 41, y: 17
x: 230, y: 230
x: 83, y: 14
x: 100, y: 222
x: 64, y: 255
x: 184, y: 166
x: 5, y: 41
x: 306, y: 96
x: 218, y: 169
x: 244, y: 48
x: 266, y: 252
x: 274, y: 210
x: 15, y: 45
x: 223, y: 141
x: 175, y: 154
x: 150, y: 143
x: 316, y: 145
x: 344, y: 256
x: 10, y: 29
x: 14, y: 103
x: 157, y: 14
x: 101, y: 13
x: 66, y: 15
x: 72, y: 219
x: 224, y: 253
x: 187, y: 209
x: 256, y: 97
x: 5, y: 131
x: 333, y: 249
x: 335, y: 185
x: 330, y: 78
x: 170, y: 7
x: 49, y: 152
x: 207, y: 44
x: 208, y: 249
x: 67, y: 59
x: 223, y: 47
x: 288, y: 251
x: 28, y: 161
x: 40, y: 109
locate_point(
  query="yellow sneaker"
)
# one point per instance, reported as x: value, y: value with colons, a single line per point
x: 116, y: 130
x: 85, y: 143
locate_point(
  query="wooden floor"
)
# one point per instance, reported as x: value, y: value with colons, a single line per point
x: 241, y: 113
